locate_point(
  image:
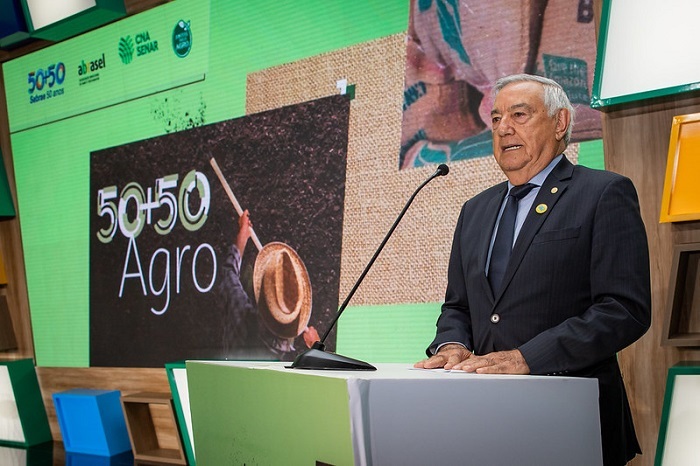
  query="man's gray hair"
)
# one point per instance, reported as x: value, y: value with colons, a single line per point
x: 554, y: 96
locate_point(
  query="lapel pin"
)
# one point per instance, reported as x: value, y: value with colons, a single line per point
x: 540, y: 209
x: 553, y: 191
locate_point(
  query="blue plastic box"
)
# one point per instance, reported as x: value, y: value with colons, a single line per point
x: 92, y: 421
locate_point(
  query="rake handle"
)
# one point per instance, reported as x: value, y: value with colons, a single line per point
x: 233, y: 199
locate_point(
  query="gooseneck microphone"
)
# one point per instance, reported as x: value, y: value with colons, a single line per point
x: 317, y: 357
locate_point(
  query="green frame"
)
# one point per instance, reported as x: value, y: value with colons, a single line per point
x: 681, y: 368
x: 600, y: 103
x: 187, y: 442
x: 104, y: 12
x: 19, y: 35
x: 33, y: 418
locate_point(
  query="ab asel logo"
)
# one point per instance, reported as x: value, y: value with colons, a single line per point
x: 88, y: 72
x: 140, y: 45
x: 91, y: 66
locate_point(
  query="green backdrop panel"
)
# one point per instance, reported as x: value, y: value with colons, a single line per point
x: 391, y: 333
x: 590, y: 154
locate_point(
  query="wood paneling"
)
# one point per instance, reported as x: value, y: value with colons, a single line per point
x: 635, y: 140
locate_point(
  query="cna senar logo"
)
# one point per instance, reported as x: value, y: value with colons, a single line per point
x: 141, y: 44
x: 46, y: 83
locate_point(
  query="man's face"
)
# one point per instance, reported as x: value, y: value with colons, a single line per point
x: 525, y: 138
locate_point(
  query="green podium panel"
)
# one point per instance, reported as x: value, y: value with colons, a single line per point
x: 245, y: 415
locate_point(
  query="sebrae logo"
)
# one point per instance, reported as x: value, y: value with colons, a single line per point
x: 46, y: 83
x: 140, y: 45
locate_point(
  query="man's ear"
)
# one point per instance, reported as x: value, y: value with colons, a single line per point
x: 563, y: 122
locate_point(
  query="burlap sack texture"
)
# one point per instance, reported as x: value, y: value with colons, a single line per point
x: 412, y: 268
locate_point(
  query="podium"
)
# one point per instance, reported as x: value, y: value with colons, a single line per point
x: 265, y: 413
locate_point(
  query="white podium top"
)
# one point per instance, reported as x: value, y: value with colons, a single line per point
x: 384, y: 371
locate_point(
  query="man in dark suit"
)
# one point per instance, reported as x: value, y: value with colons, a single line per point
x: 575, y: 289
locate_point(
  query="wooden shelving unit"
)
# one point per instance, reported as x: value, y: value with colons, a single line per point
x: 682, y: 322
x: 143, y: 431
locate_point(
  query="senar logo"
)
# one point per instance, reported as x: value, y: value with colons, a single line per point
x: 182, y: 39
x: 126, y: 49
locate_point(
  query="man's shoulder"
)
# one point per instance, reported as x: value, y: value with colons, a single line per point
x: 594, y: 172
x: 592, y: 183
x: 592, y: 175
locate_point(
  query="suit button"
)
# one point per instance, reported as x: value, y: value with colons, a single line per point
x: 495, y: 318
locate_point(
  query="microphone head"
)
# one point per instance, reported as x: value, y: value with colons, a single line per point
x: 442, y: 170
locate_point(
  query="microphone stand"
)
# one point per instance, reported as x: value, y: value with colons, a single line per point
x: 317, y: 357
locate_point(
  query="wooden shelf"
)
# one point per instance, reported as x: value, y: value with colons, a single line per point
x: 8, y: 341
x: 682, y: 322
x: 142, y: 411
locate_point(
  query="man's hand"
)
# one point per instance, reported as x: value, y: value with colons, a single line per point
x: 499, y: 362
x: 310, y: 336
x: 447, y: 357
x: 244, y: 231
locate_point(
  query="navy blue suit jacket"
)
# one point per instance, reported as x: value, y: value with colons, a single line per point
x: 575, y: 292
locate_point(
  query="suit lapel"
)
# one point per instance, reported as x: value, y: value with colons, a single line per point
x: 549, y: 194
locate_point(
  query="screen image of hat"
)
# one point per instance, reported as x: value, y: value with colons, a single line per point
x: 282, y: 290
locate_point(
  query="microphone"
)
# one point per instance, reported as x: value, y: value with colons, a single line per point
x: 317, y: 357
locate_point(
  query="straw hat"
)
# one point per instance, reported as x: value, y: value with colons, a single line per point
x: 282, y: 290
